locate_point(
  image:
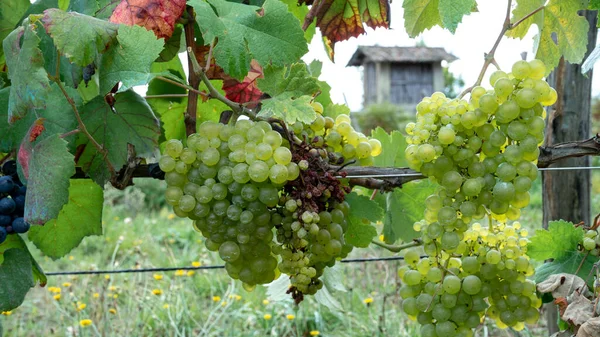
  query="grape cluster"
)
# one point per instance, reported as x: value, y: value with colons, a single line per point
x: 591, y: 242
x: 265, y: 204
x: 12, y: 202
x: 449, y: 295
x: 482, y: 152
x: 337, y: 136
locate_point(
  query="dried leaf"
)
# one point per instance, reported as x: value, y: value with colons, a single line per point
x: 564, y: 333
x: 591, y: 328
x: 562, y: 285
x: 579, y: 310
x: 156, y: 15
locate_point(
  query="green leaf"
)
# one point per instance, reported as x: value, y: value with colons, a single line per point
x: 420, y: 15
x: 392, y: 148
x: 363, y: 212
x: 325, y: 298
x: 568, y: 263
x: 133, y: 123
x: 452, y: 12
x: 524, y: 8
x: 26, y: 71
x: 248, y: 32
x: 405, y: 206
x: 295, y: 79
x: 288, y: 108
x: 561, y: 238
x: 80, y: 217
x: 595, y: 5
x: 102, y: 9
x: 129, y: 60
x: 11, y: 12
x: 71, y: 74
x: 561, y: 19
x: 300, y: 11
x: 58, y: 114
x: 50, y: 168
x: 79, y: 37
x: 324, y: 96
x: 334, y: 110
x: 172, y: 45
x: 211, y: 109
x: 16, y: 278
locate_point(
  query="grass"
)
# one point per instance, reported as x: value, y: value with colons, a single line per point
x: 204, y: 302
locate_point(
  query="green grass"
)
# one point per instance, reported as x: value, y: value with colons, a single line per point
x: 136, y: 237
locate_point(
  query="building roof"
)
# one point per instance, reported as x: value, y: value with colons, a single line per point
x: 366, y: 54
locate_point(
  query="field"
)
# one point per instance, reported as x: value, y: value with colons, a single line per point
x: 203, y: 302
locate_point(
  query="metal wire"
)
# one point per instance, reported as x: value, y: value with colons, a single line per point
x: 167, y: 269
x: 398, y: 175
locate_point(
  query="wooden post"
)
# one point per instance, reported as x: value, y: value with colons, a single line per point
x: 566, y: 194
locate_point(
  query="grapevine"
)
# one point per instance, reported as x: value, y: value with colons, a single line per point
x: 239, y: 181
x: 12, y: 202
x: 482, y: 152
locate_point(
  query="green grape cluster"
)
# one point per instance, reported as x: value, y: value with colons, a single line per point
x: 483, y: 153
x: 591, y: 242
x: 486, y: 277
x: 338, y: 137
x: 227, y: 179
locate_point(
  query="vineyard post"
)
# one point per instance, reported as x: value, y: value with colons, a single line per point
x: 566, y: 194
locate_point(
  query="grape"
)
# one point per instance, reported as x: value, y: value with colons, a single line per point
x: 282, y: 156
x: 471, y: 285
x: 521, y: 70
x: 451, y: 284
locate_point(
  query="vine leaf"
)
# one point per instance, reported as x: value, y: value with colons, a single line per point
x: 24, y: 57
x: 11, y: 13
x: 300, y: 10
x: 324, y: 96
x: 80, y: 217
x: 568, y: 263
x: 79, y: 37
x: 289, y: 108
x: 50, y: 168
x: 58, y: 115
x: 15, y: 241
x: 16, y: 278
x: 247, y: 89
x: 246, y: 32
x: 295, y: 79
x: 563, y: 23
x: 129, y: 60
x: 133, y: 123
x: 392, y: 145
x: 404, y: 207
x: 420, y: 15
x: 561, y: 238
x: 524, y: 8
x: 452, y: 12
x: 363, y: 212
x: 340, y: 20
x: 101, y: 9
x: 159, y: 16
x: 172, y: 45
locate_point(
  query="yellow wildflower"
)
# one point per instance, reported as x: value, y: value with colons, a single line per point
x: 236, y: 297
x: 290, y: 317
x: 265, y: 302
x: 158, y: 277
x: 315, y: 333
x: 115, y: 296
x: 196, y: 264
x: 112, y: 311
x: 191, y: 273
x: 216, y: 298
x: 171, y: 216
x: 381, y: 238
x: 166, y: 306
x: 157, y: 292
x: 112, y: 288
x: 57, y: 297
x: 54, y: 290
x: 7, y: 313
x: 81, y: 306
x: 267, y: 316
x: 368, y: 300
x: 180, y: 272
x: 96, y: 295
x: 224, y: 303
x: 85, y: 322
x: 71, y: 257
x: 107, y: 277
x: 66, y: 284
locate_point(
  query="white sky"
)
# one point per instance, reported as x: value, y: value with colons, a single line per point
x: 474, y: 37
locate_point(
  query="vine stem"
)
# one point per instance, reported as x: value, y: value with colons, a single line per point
x: 194, y: 80
x: 214, y: 93
x: 165, y: 96
x: 181, y: 85
x: 396, y: 249
x: 489, y: 57
x: 82, y: 128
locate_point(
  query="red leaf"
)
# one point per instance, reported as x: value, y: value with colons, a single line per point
x: 25, y: 150
x: 214, y: 71
x: 156, y: 15
x: 247, y: 90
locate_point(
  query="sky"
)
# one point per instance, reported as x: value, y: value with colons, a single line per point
x: 474, y: 37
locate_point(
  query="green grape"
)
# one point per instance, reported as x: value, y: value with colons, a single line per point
x: 263, y: 151
x: 229, y: 251
x: 278, y: 174
x: 173, y: 148
x: 167, y: 163
x: 282, y: 156
x: 526, y: 98
x: 363, y: 150
x: 488, y: 103
x: 493, y: 256
x: 273, y: 138
x: 589, y: 244
x: 521, y: 70
x: 258, y: 171
x: 471, y: 285
x: 496, y: 75
x: 451, y: 284
x: 447, y: 329
x: 504, y: 87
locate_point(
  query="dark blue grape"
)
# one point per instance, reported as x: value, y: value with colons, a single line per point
x: 19, y: 225
x: 3, y: 234
x: 22, y: 190
x: 5, y: 220
x: 6, y: 184
x: 20, y: 203
x: 7, y: 206
x: 9, y: 168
